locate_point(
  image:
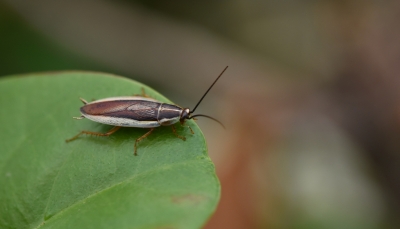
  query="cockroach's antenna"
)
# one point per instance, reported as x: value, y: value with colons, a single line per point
x: 209, y: 118
x: 191, y: 112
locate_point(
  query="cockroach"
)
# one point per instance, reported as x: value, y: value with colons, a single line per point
x: 138, y: 111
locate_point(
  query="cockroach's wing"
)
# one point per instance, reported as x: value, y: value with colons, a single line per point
x: 144, y: 110
x: 140, y: 110
x: 127, y: 112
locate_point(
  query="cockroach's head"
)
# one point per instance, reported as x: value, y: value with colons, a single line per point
x: 184, y: 115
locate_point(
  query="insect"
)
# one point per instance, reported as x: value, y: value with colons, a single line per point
x: 138, y: 111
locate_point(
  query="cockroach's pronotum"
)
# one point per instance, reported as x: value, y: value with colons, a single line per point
x: 137, y: 111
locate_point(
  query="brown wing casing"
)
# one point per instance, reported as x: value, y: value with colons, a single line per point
x: 140, y: 110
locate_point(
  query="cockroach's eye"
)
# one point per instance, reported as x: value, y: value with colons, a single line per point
x: 185, y: 114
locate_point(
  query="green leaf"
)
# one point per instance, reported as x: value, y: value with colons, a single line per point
x: 95, y: 182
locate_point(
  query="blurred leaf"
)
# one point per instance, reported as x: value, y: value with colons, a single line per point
x: 95, y: 182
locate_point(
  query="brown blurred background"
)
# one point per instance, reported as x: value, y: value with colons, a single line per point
x: 311, y: 98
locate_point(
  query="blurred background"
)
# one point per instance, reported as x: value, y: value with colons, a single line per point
x: 311, y: 98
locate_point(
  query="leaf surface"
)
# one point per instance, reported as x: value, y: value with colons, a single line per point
x: 95, y: 182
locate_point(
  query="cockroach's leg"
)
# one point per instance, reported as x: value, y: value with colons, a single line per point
x: 143, y: 94
x: 113, y: 130
x: 141, y: 138
x: 176, y: 134
x: 190, y: 128
x: 191, y: 131
x: 83, y: 101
